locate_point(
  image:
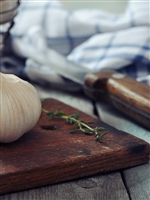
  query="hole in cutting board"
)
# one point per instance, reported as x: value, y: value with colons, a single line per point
x: 49, y: 127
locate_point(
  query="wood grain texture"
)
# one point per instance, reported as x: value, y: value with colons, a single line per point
x: 138, y: 182
x: 111, y: 185
x: 62, y: 156
x: 124, y: 93
x: 100, y: 187
x: 137, y: 179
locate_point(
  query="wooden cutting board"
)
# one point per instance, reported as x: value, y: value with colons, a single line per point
x: 49, y: 154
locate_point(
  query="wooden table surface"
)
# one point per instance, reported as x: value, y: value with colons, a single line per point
x: 128, y: 184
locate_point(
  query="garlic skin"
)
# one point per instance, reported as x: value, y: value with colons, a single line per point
x: 20, y: 107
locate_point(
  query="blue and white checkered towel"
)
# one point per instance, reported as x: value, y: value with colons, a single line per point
x: 93, y: 38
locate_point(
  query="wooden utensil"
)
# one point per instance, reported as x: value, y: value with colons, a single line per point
x: 124, y: 93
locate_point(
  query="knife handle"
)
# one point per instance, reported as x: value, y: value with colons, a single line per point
x: 126, y: 94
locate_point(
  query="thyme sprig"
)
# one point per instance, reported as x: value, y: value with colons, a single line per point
x: 79, y: 125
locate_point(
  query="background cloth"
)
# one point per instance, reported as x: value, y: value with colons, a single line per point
x: 90, y: 37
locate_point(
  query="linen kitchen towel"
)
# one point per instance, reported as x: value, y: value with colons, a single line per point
x: 93, y: 38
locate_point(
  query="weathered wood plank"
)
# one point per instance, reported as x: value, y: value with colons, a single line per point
x: 102, y: 187
x: 138, y: 182
x: 137, y: 178
x: 47, y: 156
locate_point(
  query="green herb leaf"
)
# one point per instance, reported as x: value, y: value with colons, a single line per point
x: 79, y: 125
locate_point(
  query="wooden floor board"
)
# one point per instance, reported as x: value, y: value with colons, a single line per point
x: 137, y: 179
x: 101, y: 187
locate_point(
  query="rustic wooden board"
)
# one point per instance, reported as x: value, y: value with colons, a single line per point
x: 44, y: 157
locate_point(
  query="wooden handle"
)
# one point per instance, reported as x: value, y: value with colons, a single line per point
x: 126, y: 94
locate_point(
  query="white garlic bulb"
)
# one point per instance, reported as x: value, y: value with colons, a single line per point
x: 20, y: 107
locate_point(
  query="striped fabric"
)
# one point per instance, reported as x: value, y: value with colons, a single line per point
x: 90, y: 37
